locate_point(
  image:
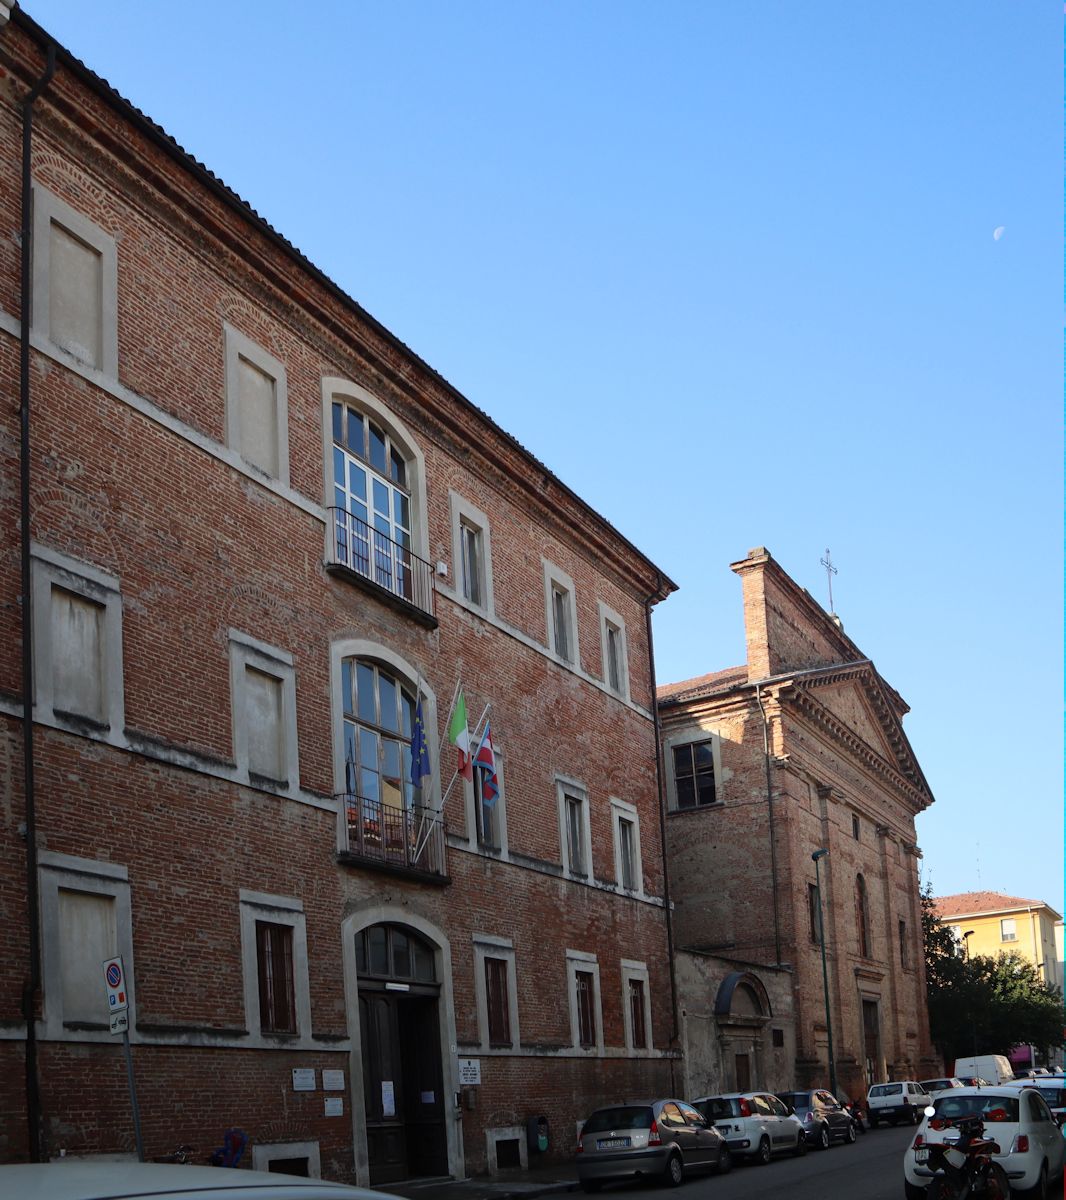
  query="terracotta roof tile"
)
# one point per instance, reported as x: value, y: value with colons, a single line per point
x: 703, y: 685
x: 971, y: 903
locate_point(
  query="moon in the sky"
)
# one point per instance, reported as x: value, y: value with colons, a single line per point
x: 998, y: 232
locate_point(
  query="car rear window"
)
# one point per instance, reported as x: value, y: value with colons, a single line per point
x: 886, y: 1089
x: 718, y: 1108
x: 936, y: 1085
x: 953, y: 1106
x: 798, y: 1100
x: 625, y: 1116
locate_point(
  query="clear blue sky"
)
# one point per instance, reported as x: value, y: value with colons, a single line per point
x: 728, y: 268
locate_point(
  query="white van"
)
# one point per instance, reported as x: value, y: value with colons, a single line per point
x: 994, y: 1067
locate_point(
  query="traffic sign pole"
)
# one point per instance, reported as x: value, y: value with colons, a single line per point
x: 118, y: 1012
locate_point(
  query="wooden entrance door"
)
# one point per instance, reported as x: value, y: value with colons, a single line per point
x: 871, y: 1036
x: 405, y: 1131
x: 743, y: 1073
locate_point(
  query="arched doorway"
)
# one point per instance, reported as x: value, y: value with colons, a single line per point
x: 399, y: 1025
x: 742, y: 1012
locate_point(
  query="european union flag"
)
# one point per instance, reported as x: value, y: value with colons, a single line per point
x: 419, y: 750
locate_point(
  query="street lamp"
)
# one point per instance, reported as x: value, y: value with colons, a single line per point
x: 817, y: 856
x: 973, y: 1014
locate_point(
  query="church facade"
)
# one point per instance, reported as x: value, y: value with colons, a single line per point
x: 799, y: 750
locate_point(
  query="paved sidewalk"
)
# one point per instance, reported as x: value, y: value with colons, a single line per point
x: 507, y: 1185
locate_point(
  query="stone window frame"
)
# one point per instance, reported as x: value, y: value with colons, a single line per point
x: 685, y: 738
x: 582, y: 960
x: 49, y: 567
x: 489, y: 946
x: 623, y: 811
x: 246, y: 651
x: 1011, y: 934
x: 263, y: 1155
x: 64, y: 871
x: 557, y: 580
x: 238, y: 345
x: 566, y: 786
x: 462, y: 512
x: 632, y: 969
x: 277, y: 910
x: 506, y: 1133
x: 48, y: 209
x: 470, y: 807
x: 609, y: 619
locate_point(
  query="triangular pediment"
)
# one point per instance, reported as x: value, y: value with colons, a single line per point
x: 848, y: 701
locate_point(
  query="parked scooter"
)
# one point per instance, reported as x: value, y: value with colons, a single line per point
x: 963, y: 1166
x: 858, y: 1116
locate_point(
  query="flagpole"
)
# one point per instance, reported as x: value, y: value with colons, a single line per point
x: 451, y: 704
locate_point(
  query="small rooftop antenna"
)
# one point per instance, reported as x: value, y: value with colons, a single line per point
x: 830, y: 571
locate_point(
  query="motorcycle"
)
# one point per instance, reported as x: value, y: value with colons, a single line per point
x: 963, y: 1166
x: 858, y: 1117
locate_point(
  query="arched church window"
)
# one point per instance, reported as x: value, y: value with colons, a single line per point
x: 394, y: 952
x: 862, y: 916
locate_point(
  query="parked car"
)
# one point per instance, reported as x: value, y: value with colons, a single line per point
x: 756, y: 1125
x: 900, y: 1100
x: 932, y: 1086
x: 1015, y: 1118
x: 660, y: 1139
x: 824, y: 1118
x: 1052, y: 1088
x: 70, y: 1180
x: 974, y: 1081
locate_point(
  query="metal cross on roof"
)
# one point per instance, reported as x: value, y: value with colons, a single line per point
x: 830, y: 571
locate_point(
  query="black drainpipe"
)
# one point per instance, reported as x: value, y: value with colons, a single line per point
x: 662, y: 825
x: 32, y: 985
x: 770, y: 822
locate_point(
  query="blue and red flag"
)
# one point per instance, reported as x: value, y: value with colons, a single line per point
x: 485, y: 762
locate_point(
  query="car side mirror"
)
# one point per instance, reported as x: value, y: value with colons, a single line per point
x: 791, y: 1111
x: 1059, y: 1118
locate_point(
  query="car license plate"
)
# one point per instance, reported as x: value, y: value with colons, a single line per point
x: 921, y: 1154
x: 613, y: 1144
x: 724, y: 1128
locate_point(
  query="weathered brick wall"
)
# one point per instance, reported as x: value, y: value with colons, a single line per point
x: 200, y: 547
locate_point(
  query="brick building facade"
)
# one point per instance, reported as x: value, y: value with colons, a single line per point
x: 263, y: 534
x: 800, y: 749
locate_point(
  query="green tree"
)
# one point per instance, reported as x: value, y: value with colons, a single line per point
x: 984, y: 1005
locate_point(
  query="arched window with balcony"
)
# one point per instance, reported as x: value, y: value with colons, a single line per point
x: 862, y: 916
x: 374, y: 494
x: 386, y: 818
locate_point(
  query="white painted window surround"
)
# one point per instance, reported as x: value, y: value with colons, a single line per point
x: 626, y: 814
x: 613, y: 634
x: 257, y: 405
x: 560, y: 611
x: 75, y: 283
x: 573, y: 807
x: 465, y: 516
x: 263, y: 1156
x: 265, y: 741
x: 77, y: 656
x: 581, y: 960
x: 64, y: 878
x: 636, y: 970
x: 488, y: 946
x: 277, y: 910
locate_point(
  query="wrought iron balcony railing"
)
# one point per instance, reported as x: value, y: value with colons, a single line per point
x: 373, y: 555
x: 394, y: 837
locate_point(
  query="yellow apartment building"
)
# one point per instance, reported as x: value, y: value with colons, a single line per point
x: 992, y: 923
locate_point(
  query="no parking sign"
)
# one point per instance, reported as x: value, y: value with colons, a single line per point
x: 115, y: 982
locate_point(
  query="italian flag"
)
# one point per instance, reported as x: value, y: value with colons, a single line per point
x: 459, y: 736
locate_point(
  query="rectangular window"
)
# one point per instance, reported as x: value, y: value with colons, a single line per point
x: 88, y: 935
x: 470, y: 562
x: 638, y: 1028
x: 77, y: 655
x: 614, y: 658
x: 257, y: 405
x: 694, y: 777
x: 263, y: 714
x: 1008, y: 931
x: 277, y: 996
x: 263, y: 683
x: 903, y: 944
x: 626, y: 854
x: 584, y: 983
x: 812, y: 911
x: 496, y: 1000
x: 854, y: 826
x: 575, y: 834
x: 561, y: 622
x: 486, y: 815
x: 75, y: 283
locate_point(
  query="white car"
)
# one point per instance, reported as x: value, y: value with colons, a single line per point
x: 83, y: 1180
x: 755, y: 1125
x: 901, y: 1100
x: 1015, y: 1117
x: 934, y: 1086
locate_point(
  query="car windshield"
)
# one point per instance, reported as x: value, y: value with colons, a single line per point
x: 886, y: 1089
x: 954, y: 1106
x: 1055, y: 1096
x: 717, y: 1108
x: 800, y: 1101
x: 624, y: 1116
